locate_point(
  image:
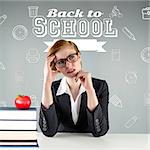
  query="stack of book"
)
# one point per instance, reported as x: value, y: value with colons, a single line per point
x: 18, y: 129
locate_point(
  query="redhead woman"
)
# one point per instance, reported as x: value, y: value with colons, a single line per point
x: 76, y: 103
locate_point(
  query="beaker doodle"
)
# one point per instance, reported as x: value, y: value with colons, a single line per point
x: 33, y: 11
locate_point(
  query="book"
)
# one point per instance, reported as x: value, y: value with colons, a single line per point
x: 12, y: 113
x: 18, y: 143
x: 18, y: 129
x: 15, y: 135
x: 19, y: 148
x: 18, y: 125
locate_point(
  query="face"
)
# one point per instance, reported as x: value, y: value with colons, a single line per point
x: 69, y: 60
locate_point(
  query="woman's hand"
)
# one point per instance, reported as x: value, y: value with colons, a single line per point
x: 86, y: 80
x: 49, y: 74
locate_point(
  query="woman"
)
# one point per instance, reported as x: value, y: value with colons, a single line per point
x: 76, y: 103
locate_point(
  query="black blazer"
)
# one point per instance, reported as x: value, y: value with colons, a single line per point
x: 58, y: 116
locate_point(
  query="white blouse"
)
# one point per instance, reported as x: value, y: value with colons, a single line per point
x: 75, y: 104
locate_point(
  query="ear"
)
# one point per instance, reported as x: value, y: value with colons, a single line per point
x: 79, y: 55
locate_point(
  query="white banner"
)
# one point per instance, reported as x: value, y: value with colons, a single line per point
x: 83, y: 44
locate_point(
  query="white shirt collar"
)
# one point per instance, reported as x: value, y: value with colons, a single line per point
x: 64, y: 88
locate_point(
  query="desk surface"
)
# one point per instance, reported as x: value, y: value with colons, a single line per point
x: 77, y: 141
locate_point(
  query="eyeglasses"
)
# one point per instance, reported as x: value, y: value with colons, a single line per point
x: 61, y: 63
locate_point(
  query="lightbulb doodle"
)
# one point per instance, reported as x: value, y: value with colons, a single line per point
x: 19, y: 32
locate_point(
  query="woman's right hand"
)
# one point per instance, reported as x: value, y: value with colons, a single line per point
x: 49, y: 74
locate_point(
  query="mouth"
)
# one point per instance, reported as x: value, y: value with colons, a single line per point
x: 70, y: 71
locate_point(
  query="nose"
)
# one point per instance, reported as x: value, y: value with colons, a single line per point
x: 68, y: 64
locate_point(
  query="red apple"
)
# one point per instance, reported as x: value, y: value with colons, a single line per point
x: 22, y: 102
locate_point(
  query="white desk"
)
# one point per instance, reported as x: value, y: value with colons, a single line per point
x: 77, y: 141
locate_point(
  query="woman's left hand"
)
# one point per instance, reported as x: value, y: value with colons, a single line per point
x: 86, y: 80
